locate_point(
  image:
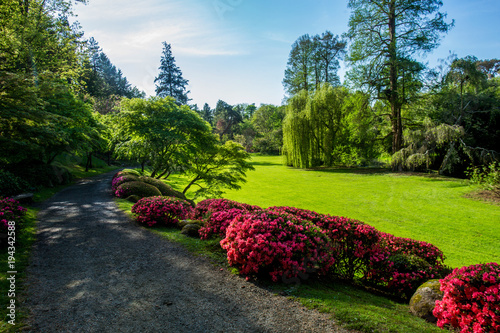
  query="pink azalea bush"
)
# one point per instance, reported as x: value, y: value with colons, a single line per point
x: 217, y: 223
x: 161, y: 211
x: 121, y: 179
x: 353, y: 242
x: 218, y: 214
x: 208, y: 206
x: 471, y: 300
x: 406, y: 264
x: 10, y: 210
x: 278, y: 244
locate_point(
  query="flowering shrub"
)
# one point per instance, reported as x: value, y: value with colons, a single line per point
x: 161, y: 211
x: 407, y: 264
x: 218, y: 214
x: 10, y: 210
x: 136, y: 188
x: 471, y: 299
x: 278, y: 244
x: 217, y: 223
x: 207, y: 207
x: 353, y: 242
x: 121, y: 179
x: 356, y: 246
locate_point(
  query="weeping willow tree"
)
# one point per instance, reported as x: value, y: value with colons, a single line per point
x: 296, y: 128
x: 318, y: 127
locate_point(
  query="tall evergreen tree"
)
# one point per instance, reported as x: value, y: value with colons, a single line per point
x: 299, y: 68
x: 207, y: 113
x: 170, y: 81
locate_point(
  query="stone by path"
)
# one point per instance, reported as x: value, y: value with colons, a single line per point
x: 95, y: 270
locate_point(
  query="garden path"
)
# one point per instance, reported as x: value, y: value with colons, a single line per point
x: 95, y: 270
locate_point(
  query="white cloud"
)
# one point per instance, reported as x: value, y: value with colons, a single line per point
x: 133, y: 27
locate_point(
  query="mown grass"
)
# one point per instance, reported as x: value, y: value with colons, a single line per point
x: 423, y: 207
x: 26, y: 236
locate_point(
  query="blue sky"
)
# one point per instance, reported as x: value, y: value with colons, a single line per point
x: 237, y: 50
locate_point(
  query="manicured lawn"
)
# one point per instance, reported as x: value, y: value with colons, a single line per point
x: 427, y: 208
x: 422, y: 207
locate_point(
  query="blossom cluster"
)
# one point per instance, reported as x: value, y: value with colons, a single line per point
x: 218, y: 214
x: 471, y: 300
x: 10, y: 210
x: 407, y: 264
x: 399, y: 265
x: 353, y: 242
x: 207, y: 207
x: 161, y: 211
x: 278, y: 244
x: 119, y: 180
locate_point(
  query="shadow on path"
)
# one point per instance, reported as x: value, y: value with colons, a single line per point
x: 94, y: 270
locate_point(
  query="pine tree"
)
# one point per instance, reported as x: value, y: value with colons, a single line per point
x: 313, y: 61
x: 170, y: 81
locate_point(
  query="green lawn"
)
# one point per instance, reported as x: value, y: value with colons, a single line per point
x: 427, y: 208
x: 422, y: 207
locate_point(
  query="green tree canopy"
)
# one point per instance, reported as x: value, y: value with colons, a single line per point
x: 325, y: 127
x: 161, y: 132
x: 312, y: 61
x: 385, y: 36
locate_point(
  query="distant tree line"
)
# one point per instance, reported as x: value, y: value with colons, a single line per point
x: 391, y: 106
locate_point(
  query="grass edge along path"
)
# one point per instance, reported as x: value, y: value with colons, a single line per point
x: 352, y: 307
x: 25, y: 240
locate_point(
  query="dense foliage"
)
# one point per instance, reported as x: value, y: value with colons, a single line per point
x: 313, y: 61
x: 471, y: 300
x: 330, y: 126
x: 11, y: 184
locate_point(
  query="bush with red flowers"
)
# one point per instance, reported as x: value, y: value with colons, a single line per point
x: 407, y: 264
x: 353, y: 242
x: 10, y: 210
x: 278, y: 244
x: 161, y: 211
x: 218, y: 214
x: 209, y: 206
x: 217, y: 223
x: 471, y: 300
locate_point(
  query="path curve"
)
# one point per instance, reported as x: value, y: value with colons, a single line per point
x: 95, y: 270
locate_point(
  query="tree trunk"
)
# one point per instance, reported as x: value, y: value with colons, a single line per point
x: 397, y: 127
x: 88, y: 165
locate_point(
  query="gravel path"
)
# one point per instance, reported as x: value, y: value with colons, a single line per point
x: 94, y: 270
